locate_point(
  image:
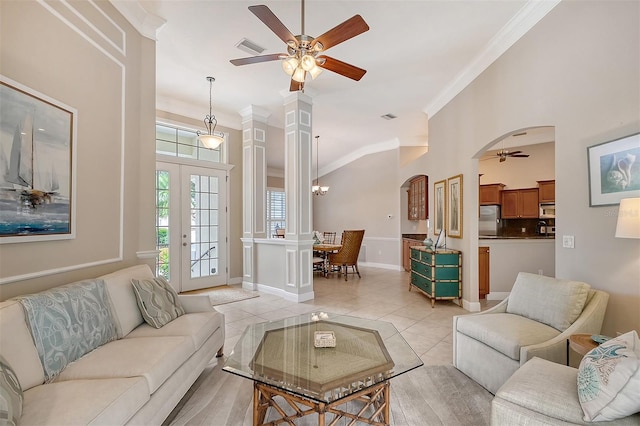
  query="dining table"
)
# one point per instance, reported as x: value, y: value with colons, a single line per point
x: 325, y: 249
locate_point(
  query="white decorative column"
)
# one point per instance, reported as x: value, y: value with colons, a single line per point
x: 297, y: 181
x: 254, y: 185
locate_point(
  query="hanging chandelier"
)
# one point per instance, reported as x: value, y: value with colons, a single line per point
x: 317, y: 189
x: 210, y: 139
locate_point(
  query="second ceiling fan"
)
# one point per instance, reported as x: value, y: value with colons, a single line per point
x: 304, y: 52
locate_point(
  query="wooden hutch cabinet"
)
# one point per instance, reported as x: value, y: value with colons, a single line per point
x: 520, y: 203
x: 437, y: 274
x: 491, y: 194
x: 418, y: 198
x: 483, y: 271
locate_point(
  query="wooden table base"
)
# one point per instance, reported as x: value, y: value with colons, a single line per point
x: 376, y: 396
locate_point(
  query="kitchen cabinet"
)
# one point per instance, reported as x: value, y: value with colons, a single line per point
x: 490, y: 194
x: 406, y: 252
x: 437, y: 274
x: 546, y: 191
x: 520, y: 203
x: 418, y: 198
x: 483, y: 271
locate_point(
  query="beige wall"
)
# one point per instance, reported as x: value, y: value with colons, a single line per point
x: 111, y: 83
x: 576, y: 70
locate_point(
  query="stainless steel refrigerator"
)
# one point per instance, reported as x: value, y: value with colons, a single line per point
x: 489, y: 222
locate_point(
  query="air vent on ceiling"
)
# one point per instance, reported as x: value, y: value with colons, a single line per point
x: 389, y: 116
x: 249, y: 47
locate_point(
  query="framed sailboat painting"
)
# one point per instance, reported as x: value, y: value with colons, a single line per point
x: 37, y: 165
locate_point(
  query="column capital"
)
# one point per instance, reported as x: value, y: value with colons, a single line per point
x: 254, y: 112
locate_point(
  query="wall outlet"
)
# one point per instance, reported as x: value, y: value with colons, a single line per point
x: 540, y: 272
x: 568, y: 241
x: 524, y: 230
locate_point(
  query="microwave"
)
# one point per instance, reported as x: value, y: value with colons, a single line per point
x: 547, y: 211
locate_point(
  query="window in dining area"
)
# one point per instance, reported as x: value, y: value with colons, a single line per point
x: 276, y: 211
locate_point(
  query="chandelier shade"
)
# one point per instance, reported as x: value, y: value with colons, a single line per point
x: 210, y: 139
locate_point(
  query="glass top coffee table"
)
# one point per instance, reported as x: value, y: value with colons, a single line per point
x: 318, y: 362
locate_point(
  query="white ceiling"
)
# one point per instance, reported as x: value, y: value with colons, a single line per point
x: 418, y: 54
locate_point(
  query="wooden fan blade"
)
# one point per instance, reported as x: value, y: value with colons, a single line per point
x: 348, y: 29
x: 520, y: 155
x: 513, y: 152
x: 270, y: 20
x: 257, y: 59
x: 341, y: 68
x: 295, y: 86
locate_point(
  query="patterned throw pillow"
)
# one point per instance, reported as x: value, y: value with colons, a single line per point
x: 157, y: 300
x: 10, y: 395
x: 609, y: 379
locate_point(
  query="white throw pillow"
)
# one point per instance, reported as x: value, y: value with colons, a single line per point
x: 609, y: 379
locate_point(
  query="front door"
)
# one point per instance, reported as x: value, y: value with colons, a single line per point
x: 195, y: 249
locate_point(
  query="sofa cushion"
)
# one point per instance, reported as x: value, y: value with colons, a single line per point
x: 157, y: 300
x: 84, y: 402
x: 609, y: 379
x: 546, y: 388
x: 154, y: 358
x: 69, y: 321
x: 10, y: 395
x: 197, y: 326
x: 16, y: 345
x: 506, y: 333
x: 552, y: 301
x: 125, y: 306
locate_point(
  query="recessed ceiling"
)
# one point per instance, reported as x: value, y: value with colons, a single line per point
x: 417, y: 54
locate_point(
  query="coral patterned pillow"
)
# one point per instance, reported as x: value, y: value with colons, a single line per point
x: 609, y: 379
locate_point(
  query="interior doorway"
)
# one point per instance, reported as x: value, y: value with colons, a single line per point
x: 191, y: 206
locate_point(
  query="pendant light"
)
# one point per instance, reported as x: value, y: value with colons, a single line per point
x: 317, y: 189
x: 210, y: 139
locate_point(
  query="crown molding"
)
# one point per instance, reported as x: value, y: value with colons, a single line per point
x: 530, y: 14
x: 146, y: 23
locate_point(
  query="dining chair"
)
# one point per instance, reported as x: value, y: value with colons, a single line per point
x: 347, y: 255
x: 329, y: 237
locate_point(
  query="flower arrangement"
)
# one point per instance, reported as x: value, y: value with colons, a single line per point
x: 318, y: 237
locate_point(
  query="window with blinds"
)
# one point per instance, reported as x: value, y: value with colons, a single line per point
x: 276, y: 211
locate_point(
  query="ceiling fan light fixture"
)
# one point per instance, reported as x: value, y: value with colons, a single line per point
x: 315, y: 71
x: 298, y: 75
x: 289, y: 65
x: 307, y: 62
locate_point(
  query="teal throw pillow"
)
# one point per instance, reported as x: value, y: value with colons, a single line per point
x: 10, y: 395
x: 157, y: 300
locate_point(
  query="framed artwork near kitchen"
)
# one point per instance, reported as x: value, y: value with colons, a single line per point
x: 614, y: 170
x: 454, y: 212
x: 439, y: 206
x: 37, y: 149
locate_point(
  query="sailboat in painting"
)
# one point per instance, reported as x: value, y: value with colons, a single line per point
x: 34, y: 145
x: 21, y: 171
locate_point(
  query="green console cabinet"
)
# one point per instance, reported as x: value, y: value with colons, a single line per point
x: 438, y: 274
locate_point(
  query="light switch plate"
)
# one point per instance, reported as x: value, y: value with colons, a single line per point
x: 568, y: 241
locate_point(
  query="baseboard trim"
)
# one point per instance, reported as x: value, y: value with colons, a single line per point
x: 291, y: 297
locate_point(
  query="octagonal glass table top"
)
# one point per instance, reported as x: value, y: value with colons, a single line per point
x: 282, y: 354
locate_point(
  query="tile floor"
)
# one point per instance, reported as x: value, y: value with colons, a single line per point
x: 380, y: 294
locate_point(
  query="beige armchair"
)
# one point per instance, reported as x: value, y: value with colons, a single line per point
x: 534, y: 321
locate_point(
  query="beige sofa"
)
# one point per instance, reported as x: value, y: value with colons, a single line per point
x: 535, y: 320
x: 138, y: 378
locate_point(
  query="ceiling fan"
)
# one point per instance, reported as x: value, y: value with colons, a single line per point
x: 304, y: 53
x: 504, y: 153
